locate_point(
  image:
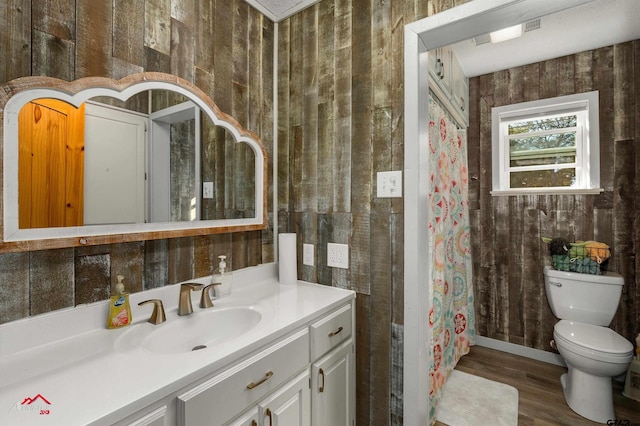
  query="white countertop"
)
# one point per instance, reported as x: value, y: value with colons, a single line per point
x: 68, y: 362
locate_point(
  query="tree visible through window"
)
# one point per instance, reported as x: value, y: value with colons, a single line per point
x: 545, y: 144
x: 549, y: 141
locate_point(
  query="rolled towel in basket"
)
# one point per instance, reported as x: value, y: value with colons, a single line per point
x: 561, y: 262
x: 585, y: 265
x: 598, y: 252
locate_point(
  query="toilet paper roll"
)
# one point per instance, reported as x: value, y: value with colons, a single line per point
x: 287, y: 259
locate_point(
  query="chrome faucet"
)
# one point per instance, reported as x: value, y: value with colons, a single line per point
x: 184, y: 304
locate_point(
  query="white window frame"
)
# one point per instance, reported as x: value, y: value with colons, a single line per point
x: 587, y: 162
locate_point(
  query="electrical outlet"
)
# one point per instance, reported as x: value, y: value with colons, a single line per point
x: 207, y: 190
x: 307, y: 254
x: 338, y: 255
x: 389, y: 184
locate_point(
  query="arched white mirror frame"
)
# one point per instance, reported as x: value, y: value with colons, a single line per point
x: 17, y: 93
x: 442, y: 29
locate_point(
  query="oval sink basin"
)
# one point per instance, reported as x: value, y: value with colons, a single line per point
x: 200, y: 330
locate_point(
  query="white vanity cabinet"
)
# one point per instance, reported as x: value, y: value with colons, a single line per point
x: 333, y: 369
x: 333, y: 393
x: 157, y: 417
x: 289, y: 405
x: 273, y: 387
x: 256, y: 376
x: 224, y: 396
x: 249, y: 418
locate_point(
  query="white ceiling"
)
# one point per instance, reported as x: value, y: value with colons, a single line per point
x: 590, y: 26
x: 277, y: 10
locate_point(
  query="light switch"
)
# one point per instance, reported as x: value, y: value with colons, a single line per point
x: 307, y: 254
x: 389, y: 184
x: 207, y: 190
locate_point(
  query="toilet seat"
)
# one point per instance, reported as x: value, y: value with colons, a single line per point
x: 592, y: 341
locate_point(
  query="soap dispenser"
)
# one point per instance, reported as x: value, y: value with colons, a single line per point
x: 223, y: 277
x: 119, y: 309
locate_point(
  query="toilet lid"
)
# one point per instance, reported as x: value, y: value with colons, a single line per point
x: 596, y: 338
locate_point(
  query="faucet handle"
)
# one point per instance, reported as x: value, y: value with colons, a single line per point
x: 191, y: 286
x: 205, y: 299
x: 184, y: 304
x: 157, y: 316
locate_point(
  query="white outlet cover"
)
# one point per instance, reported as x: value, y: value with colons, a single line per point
x: 389, y: 184
x: 338, y: 255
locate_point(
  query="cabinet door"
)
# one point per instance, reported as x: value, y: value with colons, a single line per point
x: 157, y: 417
x: 224, y: 396
x: 438, y: 64
x: 331, y: 330
x: 433, y: 63
x: 460, y: 89
x: 333, y: 387
x: 288, y: 406
x: 249, y: 418
x: 445, y: 69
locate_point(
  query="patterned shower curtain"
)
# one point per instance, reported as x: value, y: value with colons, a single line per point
x: 451, y: 318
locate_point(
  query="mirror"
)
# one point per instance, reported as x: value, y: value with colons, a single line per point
x: 97, y: 161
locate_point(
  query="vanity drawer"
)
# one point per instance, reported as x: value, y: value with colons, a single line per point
x: 330, y: 331
x: 226, y: 395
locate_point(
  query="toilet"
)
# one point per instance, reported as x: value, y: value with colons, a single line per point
x: 585, y: 305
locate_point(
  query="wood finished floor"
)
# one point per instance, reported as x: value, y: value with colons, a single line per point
x: 541, y: 402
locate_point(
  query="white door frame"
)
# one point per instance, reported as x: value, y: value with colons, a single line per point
x: 158, y: 191
x: 459, y: 23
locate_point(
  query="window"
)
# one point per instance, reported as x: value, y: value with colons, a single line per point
x: 546, y: 146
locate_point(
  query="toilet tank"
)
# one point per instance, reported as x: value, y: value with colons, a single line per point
x: 591, y: 299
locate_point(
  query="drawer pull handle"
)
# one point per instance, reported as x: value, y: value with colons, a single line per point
x: 338, y: 331
x: 321, y: 372
x: 268, y: 414
x: 264, y: 379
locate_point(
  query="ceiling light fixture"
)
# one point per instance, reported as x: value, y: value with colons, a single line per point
x: 506, y: 34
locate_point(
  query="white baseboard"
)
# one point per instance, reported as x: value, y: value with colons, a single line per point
x: 524, y: 351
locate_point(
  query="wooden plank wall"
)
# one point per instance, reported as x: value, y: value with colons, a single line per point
x: 340, y: 109
x: 340, y: 120
x: 508, y: 253
x: 224, y: 47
